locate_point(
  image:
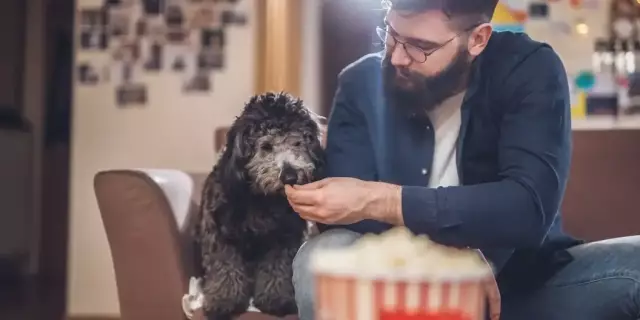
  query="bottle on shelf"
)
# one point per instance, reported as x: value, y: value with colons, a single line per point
x: 602, y: 98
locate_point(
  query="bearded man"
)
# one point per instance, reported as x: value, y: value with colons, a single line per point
x: 464, y: 134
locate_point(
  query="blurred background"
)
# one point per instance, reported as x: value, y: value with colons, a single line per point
x: 91, y: 85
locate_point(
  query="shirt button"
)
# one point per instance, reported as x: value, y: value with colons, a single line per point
x: 424, y: 171
x: 428, y: 127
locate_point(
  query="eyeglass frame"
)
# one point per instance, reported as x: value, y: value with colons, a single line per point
x: 424, y: 52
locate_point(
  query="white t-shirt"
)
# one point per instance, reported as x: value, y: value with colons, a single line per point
x: 446, y: 120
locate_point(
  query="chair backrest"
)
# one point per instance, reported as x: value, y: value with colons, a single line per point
x: 145, y: 239
x: 178, y: 188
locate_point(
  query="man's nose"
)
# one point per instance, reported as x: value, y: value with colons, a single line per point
x: 399, y: 56
x: 288, y: 175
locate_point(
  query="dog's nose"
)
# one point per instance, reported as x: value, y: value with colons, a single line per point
x: 288, y: 175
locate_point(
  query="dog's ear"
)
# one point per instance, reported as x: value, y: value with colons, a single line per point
x: 235, y: 159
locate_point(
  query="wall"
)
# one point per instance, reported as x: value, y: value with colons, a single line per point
x: 575, y: 50
x: 20, y: 222
x: 173, y: 130
x: 11, y: 34
x: 311, y: 75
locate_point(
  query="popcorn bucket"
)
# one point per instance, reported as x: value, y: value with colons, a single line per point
x: 399, y: 276
x: 343, y: 297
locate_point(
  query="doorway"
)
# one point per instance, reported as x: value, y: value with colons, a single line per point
x: 347, y: 33
x: 35, y: 120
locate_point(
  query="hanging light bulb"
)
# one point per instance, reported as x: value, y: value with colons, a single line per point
x: 582, y: 28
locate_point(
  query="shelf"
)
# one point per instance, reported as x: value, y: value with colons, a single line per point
x: 606, y: 123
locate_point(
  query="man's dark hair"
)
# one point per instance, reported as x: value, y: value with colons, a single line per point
x: 463, y: 13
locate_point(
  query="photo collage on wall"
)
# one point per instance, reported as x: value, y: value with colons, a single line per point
x: 152, y: 36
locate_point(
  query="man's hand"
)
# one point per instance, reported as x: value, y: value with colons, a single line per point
x: 493, y: 295
x: 345, y: 201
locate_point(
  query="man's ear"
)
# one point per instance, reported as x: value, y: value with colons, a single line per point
x: 479, y: 38
x: 323, y: 136
x: 322, y: 127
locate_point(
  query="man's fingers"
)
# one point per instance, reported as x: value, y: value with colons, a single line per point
x: 303, y: 197
x: 288, y: 190
x: 312, y: 186
x: 493, y: 297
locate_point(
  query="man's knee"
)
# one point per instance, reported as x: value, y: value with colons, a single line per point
x: 335, y: 238
x: 302, y: 277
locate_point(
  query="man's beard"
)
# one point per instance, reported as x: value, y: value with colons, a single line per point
x: 417, y: 94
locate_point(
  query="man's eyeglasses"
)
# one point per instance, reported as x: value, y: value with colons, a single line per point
x: 417, y: 54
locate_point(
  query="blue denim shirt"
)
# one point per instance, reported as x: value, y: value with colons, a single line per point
x: 513, y: 151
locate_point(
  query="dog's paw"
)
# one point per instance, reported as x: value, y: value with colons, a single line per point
x: 277, y: 307
x: 224, y: 314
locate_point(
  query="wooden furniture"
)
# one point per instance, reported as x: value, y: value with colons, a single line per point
x: 603, y: 195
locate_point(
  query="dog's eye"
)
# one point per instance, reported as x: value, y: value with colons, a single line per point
x: 297, y: 144
x: 266, y: 147
x: 308, y: 137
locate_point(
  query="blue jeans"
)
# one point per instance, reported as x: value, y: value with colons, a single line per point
x: 601, y: 283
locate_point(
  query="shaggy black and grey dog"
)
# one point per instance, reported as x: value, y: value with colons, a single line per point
x: 247, y: 232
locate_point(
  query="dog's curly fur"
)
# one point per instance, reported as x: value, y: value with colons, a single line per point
x: 247, y: 232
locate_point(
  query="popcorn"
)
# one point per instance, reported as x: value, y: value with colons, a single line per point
x: 398, y: 253
x: 397, y: 275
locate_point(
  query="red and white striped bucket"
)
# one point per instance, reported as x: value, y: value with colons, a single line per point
x: 341, y: 297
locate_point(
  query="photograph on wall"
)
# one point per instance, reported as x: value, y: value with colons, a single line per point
x: 93, y: 35
x: 174, y: 16
x: 174, y: 19
x: 210, y: 59
x: 211, y: 55
x: 179, y: 63
x: 141, y: 27
x: 152, y: 7
x: 131, y: 95
x: 155, y: 29
x: 128, y: 51
x: 120, y: 22
x: 153, y: 57
x: 235, y: 18
x: 178, y: 57
x: 199, y: 82
x: 130, y: 92
x: 112, y: 3
x: 149, y: 36
x: 205, y: 16
x: 88, y: 74
x: 119, y: 3
x: 125, y: 72
x: 179, y: 36
x: 212, y: 38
